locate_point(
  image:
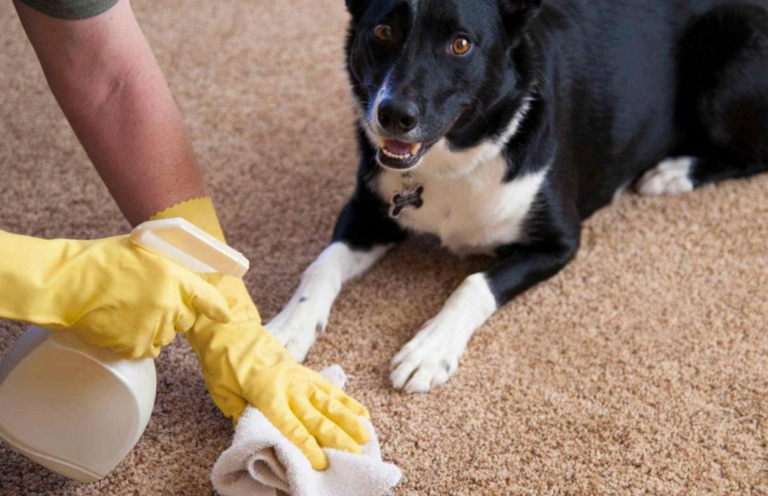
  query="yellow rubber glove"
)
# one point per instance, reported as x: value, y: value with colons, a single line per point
x: 109, y: 292
x: 243, y: 364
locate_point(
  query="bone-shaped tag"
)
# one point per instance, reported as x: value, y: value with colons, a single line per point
x: 409, y: 198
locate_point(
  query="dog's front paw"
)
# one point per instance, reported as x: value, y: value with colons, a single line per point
x: 429, y: 359
x: 297, y: 327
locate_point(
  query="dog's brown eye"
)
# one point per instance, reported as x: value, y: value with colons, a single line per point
x: 461, y: 46
x: 383, y: 32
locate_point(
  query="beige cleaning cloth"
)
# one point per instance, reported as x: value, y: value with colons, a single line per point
x: 262, y: 462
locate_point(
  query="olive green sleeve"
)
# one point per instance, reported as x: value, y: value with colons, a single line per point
x: 71, y: 9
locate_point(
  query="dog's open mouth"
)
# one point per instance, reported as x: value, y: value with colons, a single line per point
x: 395, y: 154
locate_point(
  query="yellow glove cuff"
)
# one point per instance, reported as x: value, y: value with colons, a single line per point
x: 198, y: 211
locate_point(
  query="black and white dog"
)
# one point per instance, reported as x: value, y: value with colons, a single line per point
x: 500, y: 125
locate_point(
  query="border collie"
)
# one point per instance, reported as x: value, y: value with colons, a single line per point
x: 499, y: 126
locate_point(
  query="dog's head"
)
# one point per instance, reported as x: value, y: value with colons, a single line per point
x: 424, y: 70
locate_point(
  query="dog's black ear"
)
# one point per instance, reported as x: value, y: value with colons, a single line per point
x: 517, y: 13
x: 356, y: 7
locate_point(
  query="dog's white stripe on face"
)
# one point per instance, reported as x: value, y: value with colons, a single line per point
x: 373, y: 109
x: 306, y: 314
x: 430, y: 358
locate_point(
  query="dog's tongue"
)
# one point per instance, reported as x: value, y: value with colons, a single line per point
x: 397, y: 147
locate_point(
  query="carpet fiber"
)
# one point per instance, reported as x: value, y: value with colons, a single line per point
x: 641, y: 369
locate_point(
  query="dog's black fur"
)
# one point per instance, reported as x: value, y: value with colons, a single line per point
x: 614, y: 88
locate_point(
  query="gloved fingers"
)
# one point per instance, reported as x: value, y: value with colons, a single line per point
x: 131, y: 353
x: 214, y: 279
x: 345, y: 399
x: 149, y: 344
x: 185, y: 320
x: 209, y: 301
x: 165, y: 336
x: 125, y: 352
x: 325, y: 431
x: 231, y: 405
x: 355, y: 406
x: 142, y: 348
x: 297, y: 433
x: 341, y: 416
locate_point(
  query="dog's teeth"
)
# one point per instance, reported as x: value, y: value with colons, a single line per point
x: 395, y: 156
x: 382, y: 143
x: 415, y: 149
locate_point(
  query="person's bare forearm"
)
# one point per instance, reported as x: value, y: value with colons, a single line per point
x: 109, y: 86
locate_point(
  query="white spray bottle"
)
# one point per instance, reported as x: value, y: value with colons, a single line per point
x: 79, y: 410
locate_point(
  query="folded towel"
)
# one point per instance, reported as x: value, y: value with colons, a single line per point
x: 262, y: 462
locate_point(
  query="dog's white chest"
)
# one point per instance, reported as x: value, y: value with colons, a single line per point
x: 471, y: 213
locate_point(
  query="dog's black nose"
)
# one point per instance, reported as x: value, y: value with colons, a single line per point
x: 397, y: 117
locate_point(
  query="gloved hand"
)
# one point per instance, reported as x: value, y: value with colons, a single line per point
x: 109, y: 292
x: 243, y: 364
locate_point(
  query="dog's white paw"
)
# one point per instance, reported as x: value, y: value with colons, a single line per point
x: 670, y: 177
x: 428, y: 360
x: 298, y: 325
x: 432, y: 357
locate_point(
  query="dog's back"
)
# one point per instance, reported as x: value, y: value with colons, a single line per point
x: 631, y: 79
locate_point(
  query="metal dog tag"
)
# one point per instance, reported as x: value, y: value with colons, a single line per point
x: 408, y: 198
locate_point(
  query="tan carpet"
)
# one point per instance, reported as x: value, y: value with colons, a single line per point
x: 642, y: 369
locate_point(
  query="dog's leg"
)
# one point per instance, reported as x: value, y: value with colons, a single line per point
x: 363, y: 235
x: 430, y: 358
x: 306, y: 314
x: 433, y: 355
x: 670, y: 177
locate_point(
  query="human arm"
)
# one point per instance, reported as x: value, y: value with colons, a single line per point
x: 109, y: 86
x: 111, y: 90
x: 120, y: 108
